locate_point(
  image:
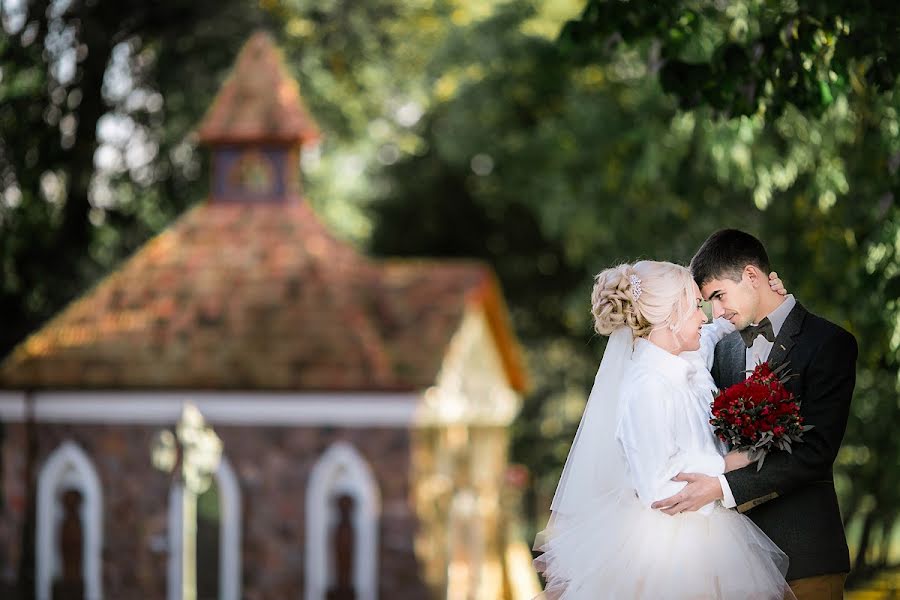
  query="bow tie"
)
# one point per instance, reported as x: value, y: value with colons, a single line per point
x: 751, y: 332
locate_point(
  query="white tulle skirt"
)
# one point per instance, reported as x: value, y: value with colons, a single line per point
x: 623, y: 550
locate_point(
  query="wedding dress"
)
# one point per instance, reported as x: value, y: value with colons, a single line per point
x: 647, y: 419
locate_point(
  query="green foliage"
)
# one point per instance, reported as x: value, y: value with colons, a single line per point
x: 755, y: 55
x: 461, y: 128
x: 93, y: 119
x: 553, y: 161
x: 816, y: 85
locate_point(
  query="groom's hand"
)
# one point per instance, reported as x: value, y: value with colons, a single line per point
x: 699, y: 491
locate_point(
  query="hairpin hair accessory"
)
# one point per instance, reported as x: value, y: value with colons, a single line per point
x: 636, y: 290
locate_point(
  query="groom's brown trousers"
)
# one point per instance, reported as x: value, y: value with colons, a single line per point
x: 823, y: 587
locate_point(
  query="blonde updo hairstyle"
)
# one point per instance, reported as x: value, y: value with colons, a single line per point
x: 666, y: 299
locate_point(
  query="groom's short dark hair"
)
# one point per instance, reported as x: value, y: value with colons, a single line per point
x: 724, y: 255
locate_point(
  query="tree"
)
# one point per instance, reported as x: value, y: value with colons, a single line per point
x: 460, y: 128
x: 599, y: 150
x: 744, y: 57
x: 818, y: 80
x: 93, y: 114
x: 93, y: 118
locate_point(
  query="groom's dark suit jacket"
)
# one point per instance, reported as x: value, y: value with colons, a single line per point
x: 792, y: 499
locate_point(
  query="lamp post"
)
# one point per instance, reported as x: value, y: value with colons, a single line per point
x: 196, y: 448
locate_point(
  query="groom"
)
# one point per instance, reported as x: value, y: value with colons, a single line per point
x: 792, y: 498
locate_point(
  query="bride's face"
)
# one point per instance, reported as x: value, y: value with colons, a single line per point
x: 688, y: 335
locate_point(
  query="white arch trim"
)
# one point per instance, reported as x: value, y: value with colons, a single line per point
x: 230, y: 567
x: 68, y: 467
x: 342, y: 470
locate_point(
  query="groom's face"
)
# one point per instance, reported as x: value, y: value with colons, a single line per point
x: 736, y: 301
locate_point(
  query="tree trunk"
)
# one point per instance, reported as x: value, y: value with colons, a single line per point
x: 26, y: 576
x: 74, y: 235
x: 864, y: 538
x: 887, y: 529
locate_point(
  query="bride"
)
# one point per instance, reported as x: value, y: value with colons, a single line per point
x: 647, y: 419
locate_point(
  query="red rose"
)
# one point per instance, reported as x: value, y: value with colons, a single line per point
x: 759, y: 404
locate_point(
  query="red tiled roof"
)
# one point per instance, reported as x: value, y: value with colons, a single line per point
x: 238, y: 296
x: 260, y: 295
x: 259, y: 102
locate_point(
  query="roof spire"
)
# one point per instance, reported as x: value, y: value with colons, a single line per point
x: 256, y: 126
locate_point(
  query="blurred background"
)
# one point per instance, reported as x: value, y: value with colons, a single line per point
x: 549, y: 138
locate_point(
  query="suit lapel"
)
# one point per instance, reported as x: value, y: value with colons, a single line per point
x: 736, y: 361
x: 734, y: 358
x: 786, y: 337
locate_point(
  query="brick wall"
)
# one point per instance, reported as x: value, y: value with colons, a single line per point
x: 272, y: 465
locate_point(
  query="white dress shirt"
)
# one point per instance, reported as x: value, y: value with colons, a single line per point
x: 762, y: 347
x: 756, y: 354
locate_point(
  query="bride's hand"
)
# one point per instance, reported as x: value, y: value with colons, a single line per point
x: 776, y: 284
x: 736, y: 460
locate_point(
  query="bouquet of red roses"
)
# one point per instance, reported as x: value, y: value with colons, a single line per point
x: 758, y: 414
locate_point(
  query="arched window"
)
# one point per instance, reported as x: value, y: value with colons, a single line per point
x: 69, y: 525
x: 220, y: 505
x: 208, y: 545
x: 342, y: 517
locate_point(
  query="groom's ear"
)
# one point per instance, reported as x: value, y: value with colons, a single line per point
x: 752, y: 275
